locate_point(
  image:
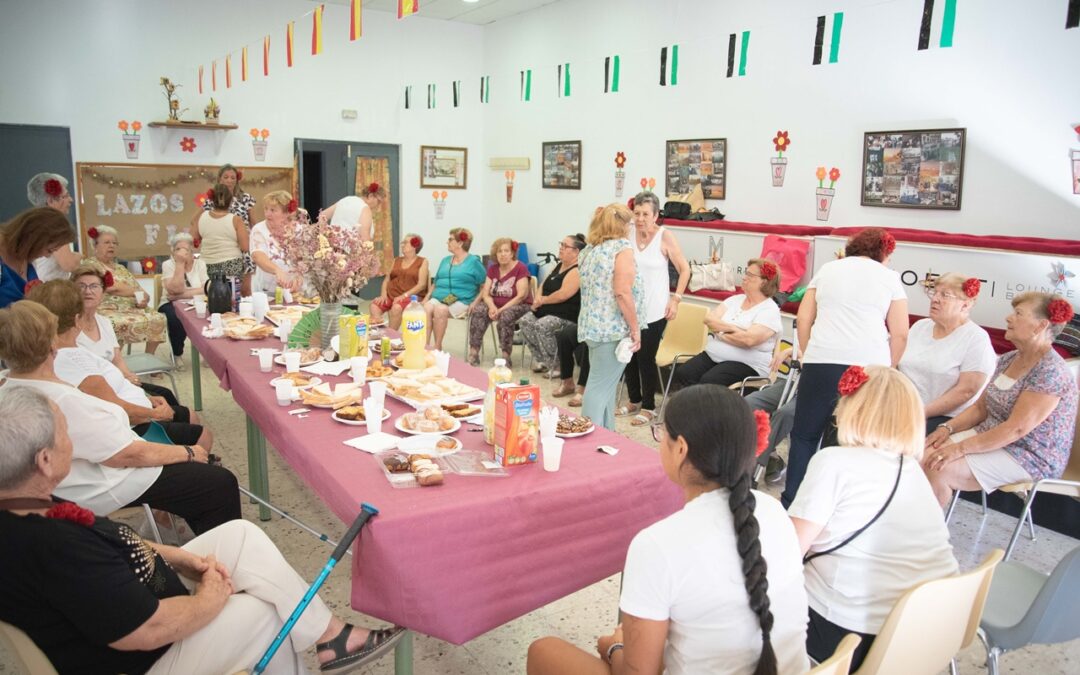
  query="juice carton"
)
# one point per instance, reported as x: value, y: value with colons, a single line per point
x: 353, y: 335
x: 517, y: 423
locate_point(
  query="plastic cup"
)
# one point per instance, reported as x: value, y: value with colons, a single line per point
x: 247, y: 309
x: 284, y: 329
x: 378, y: 392
x: 286, y: 295
x: 215, y: 321
x: 284, y: 391
x: 140, y: 297
x: 200, y: 307
x: 552, y: 448
x: 266, y: 360
x: 373, y: 414
x: 292, y: 362
x: 358, y: 369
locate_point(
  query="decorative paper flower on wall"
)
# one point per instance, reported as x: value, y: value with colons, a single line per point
x: 781, y: 141
x: 122, y: 125
x: 187, y: 144
x: 834, y: 175
x: 820, y: 173
x: 620, y: 159
x: 1059, y: 276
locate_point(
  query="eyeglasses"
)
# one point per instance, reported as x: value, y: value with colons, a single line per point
x: 658, y: 429
x: 89, y: 287
x: 748, y: 273
x: 943, y: 294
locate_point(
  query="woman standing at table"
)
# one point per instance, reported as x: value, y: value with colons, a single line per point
x: 455, y: 288
x: 267, y: 253
x: 182, y: 276
x: 612, y: 303
x: 356, y: 212
x: 29, y: 236
x: 697, y: 594
x: 224, y: 239
x: 51, y: 190
x: 555, y: 308
x: 408, y: 277
x: 240, y: 201
x: 505, y: 299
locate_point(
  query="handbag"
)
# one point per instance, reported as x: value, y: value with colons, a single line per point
x: 697, y: 277
x: 676, y: 209
x: 719, y: 276
x: 789, y: 255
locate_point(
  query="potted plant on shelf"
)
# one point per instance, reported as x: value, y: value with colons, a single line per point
x: 212, y: 112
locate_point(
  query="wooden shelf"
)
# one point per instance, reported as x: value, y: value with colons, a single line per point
x: 173, y: 124
x: 172, y: 130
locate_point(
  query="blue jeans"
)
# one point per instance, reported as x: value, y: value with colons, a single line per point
x: 605, y: 372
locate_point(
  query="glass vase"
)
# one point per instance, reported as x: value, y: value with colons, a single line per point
x: 328, y: 322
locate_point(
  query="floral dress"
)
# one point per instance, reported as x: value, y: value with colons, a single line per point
x: 600, y: 319
x: 131, y: 324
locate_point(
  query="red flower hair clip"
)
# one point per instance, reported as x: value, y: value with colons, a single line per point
x: 1059, y: 311
x: 53, y: 188
x: 30, y: 285
x: 761, y: 419
x: 971, y: 287
x: 210, y: 195
x: 92, y: 233
x: 513, y: 247
x: 197, y: 241
x: 292, y: 206
x: 888, y: 243
x: 768, y: 271
x: 462, y: 235
x: 416, y: 242
x: 239, y: 175
x: 853, y: 378
x: 73, y: 512
x: 373, y: 188
x: 107, y: 279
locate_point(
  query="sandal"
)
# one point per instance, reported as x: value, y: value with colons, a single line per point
x: 539, y: 368
x: 563, y: 390
x: 642, y: 418
x: 575, y: 402
x: 628, y: 409
x: 378, y: 643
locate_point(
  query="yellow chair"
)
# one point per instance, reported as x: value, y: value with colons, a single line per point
x: 28, y: 658
x: 931, y: 623
x: 840, y: 661
x: 684, y: 338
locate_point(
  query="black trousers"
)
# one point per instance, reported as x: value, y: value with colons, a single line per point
x: 203, y: 495
x: 569, y: 350
x: 642, y: 379
x: 703, y: 370
x: 822, y: 637
x: 177, y: 334
x: 163, y: 392
x: 814, y: 408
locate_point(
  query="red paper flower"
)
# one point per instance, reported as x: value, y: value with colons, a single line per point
x: 108, y: 279
x: 239, y: 175
x: 768, y: 270
x: 620, y: 159
x: 197, y: 242
x: 781, y: 141
x: 53, y: 188
x: 92, y: 233
x: 761, y: 418
x: 888, y: 243
x: 416, y: 242
x: 73, y: 512
x: 834, y: 175
x: 853, y: 378
x: 644, y: 183
x: 187, y: 144
x: 1059, y: 311
x: 292, y: 206
x: 513, y: 247
x: 463, y: 236
x: 30, y: 285
x: 971, y: 287
x: 373, y: 188
x: 148, y: 265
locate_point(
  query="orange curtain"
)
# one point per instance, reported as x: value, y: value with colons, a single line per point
x: 377, y: 170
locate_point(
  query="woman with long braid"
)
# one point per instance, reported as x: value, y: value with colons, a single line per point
x: 716, y: 587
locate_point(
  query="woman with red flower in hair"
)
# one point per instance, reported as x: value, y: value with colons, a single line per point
x: 455, y: 287
x: 51, y: 190
x: 1021, y: 427
x: 224, y: 240
x: 32, y: 235
x: 266, y: 243
x: 743, y: 331
x: 182, y: 276
x: 355, y: 212
x: 408, y: 277
x: 868, y: 524
x: 854, y: 312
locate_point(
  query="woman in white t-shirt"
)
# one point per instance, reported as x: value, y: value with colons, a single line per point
x: 267, y: 251
x: 949, y: 357
x: 357, y: 212
x: 743, y: 331
x: 866, y: 517
x: 854, y: 313
x: 691, y: 602
x: 182, y: 276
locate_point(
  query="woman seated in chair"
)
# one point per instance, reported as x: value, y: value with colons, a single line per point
x: 1021, y: 427
x: 93, y: 596
x: 743, y: 331
x: 948, y: 357
x: 182, y: 276
x: 866, y: 518
x: 455, y: 288
x: 697, y: 595
x: 408, y: 277
x: 113, y: 467
x: 571, y: 349
x: 555, y: 308
x: 33, y: 235
x: 505, y: 299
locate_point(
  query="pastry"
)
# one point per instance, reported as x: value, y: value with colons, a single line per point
x: 409, y: 421
x: 432, y: 413
x: 446, y: 443
x: 573, y: 425
x: 417, y: 456
x: 451, y: 407
x: 427, y: 426
x: 422, y: 464
x: 446, y: 423
x: 429, y: 477
x: 462, y: 413
x: 353, y: 413
x: 396, y: 464
x: 297, y: 379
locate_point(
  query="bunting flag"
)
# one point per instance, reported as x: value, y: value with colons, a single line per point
x: 355, y: 25
x: 228, y: 71
x: 430, y: 96
x: 200, y: 78
x: 1072, y: 15
x: 408, y: 97
x: 213, y: 75
x: 243, y: 65
x: 526, y: 85
x: 289, y: 44
x: 316, y: 31
x: 407, y: 7
x: 563, y: 80
x: 457, y: 93
x: 485, y: 88
x: 833, y: 42
x: 669, y: 67
x: 738, y: 43
x: 938, y: 22
x: 266, y: 55
x: 611, y: 74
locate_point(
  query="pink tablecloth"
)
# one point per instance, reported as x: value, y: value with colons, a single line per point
x: 458, y: 560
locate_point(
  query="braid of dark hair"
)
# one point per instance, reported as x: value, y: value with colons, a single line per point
x: 741, y: 501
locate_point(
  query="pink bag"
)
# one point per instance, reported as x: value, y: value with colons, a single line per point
x: 790, y: 255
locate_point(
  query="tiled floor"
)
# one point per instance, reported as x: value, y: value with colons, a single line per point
x: 580, y: 617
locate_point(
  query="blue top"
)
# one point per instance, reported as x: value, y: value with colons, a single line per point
x: 463, y: 279
x: 600, y: 319
x: 12, y: 285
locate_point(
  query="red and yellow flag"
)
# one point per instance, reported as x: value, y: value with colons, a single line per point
x: 289, y: 44
x: 243, y: 64
x: 316, y: 31
x: 355, y: 25
x: 407, y: 7
x: 200, y: 78
x: 228, y: 71
x: 266, y: 55
x: 213, y: 75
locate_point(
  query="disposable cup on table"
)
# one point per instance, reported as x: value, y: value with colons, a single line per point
x: 358, y: 369
x: 200, y: 307
x: 266, y: 360
x: 378, y: 392
x: 284, y: 391
x: 286, y: 295
x: 247, y: 309
x: 552, y: 450
x: 215, y: 321
x: 284, y: 328
x: 373, y: 414
x: 292, y: 362
x: 442, y: 361
x: 140, y: 297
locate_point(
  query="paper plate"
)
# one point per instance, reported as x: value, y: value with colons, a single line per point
x: 441, y: 432
x: 357, y: 423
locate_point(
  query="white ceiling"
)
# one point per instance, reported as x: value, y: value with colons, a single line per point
x: 480, y: 13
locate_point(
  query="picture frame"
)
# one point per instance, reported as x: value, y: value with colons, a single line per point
x: 561, y: 162
x: 690, y: 162
x: 445, y: 168
x: 914, y: 169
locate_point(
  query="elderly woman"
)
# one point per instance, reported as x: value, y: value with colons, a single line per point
x: 115, y: 603
x: 455, y: 288
x: 51, y: 190
x: 505, y: 297
x: 182, y: 276
x: 96, y: 376
x: 866, y: 518
x: 267, y: 251
x: 948, y: 357
x: 408, y: 277
x: 1021, y: 427
x: 223, y: 238
x: 124, y: 302
x: 857, y: 310
x: 697, y: 594
x: 554, y: 308
x: 612, y: 304
x: 743, y: 331
x: 357, y: 212
x: 31, y: 235
x: 654, y: 249
x: 113, y: 466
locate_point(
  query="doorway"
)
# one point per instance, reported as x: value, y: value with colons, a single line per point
x: 328, y: 171
x: 38, y: 149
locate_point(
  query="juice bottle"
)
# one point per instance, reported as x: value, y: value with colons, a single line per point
x: 414, y: 335
x: 500, y: 374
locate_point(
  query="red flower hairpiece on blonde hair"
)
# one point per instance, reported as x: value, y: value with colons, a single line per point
x: 768, y: 270
x: 1059, y: 311
x: 888, y: 243
x: 373, y: 188
x: 53, y: 188
x: 30, y: 285
x: 92, y: 233
x: 416, y: 242
x: 107, y: 279
x: 761, y: 419
x: 292, y: 206
x: 73, y: 512
x: 462, y: 235
x: 513, y: 246
x: 239, y: 175
x: 971, y: 287
x: 853, y: 378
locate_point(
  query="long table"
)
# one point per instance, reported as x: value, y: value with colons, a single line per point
x: 457, y: 560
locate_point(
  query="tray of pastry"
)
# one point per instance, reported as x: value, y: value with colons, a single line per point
x: 420, y: 388
x: 409, y: 470
x: 293, y: 313
x: 246, y: 329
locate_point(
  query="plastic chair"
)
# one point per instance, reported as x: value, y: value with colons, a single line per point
x: 840, y: 661
x: 931, y: 623
x: 684, y: 338
x: 28, y: 658
x: 1028, y: 607
x: 523, y: 256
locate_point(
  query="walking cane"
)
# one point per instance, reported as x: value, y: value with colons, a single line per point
x: 366, y: 512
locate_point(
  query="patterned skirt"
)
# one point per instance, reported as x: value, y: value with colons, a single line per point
x: 135, y: 325
x: 228, y: 268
